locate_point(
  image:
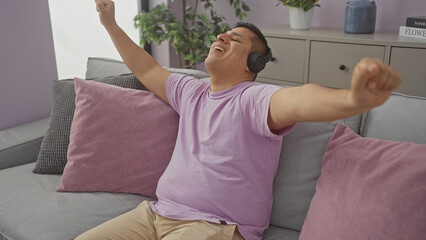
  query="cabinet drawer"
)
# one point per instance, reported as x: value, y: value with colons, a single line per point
x: 410, y: 63
x: 289, y: 61
x: 327, y: 58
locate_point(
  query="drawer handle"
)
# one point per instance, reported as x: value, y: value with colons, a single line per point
x: 342, y: 67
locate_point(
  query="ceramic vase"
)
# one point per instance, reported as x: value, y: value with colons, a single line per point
x: 299, y: 19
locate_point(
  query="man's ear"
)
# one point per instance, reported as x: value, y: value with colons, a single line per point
x: 247, y: 69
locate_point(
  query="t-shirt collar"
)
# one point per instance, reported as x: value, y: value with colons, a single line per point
x: 228, y: 91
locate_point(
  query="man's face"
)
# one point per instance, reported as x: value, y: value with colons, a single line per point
x: 230, y: 51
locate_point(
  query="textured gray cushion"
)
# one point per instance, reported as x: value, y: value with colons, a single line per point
x: 104, y: 67
x: 53, y: 153
x: 401, y: 118
x: 30, y: 209
x: 299, y: 169
x: 21, y: 144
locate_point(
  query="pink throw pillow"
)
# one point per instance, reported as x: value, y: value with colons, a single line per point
x: 368, y: 189
x: 121, y: 140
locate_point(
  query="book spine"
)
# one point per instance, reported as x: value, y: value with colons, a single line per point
x: 412, y: 32
x: 416, y: 22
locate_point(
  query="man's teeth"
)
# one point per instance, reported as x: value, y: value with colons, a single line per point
x: 219, y: 49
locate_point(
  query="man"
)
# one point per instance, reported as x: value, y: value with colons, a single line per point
x: 218, y: 184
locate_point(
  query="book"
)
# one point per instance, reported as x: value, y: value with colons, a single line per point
x: 416, y: 22
x: 411, y: 39
x: 412, y: 32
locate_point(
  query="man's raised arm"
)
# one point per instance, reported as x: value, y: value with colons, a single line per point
x: 142, y: 65
x: 371, y: 85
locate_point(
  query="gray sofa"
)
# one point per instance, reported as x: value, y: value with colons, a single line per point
x: 31, y: 209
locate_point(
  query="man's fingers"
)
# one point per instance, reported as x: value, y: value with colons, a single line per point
x: 375, y: 75
x: 394, y: 79
x: 384, y: 78
x: 379, y: 77
x: 102, y: 5
x: 365, y: 74
x: 98, y: 5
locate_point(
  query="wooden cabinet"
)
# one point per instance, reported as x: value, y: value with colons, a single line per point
x: 410, y: 63
x: 290, y: 60
x: 328, y: 56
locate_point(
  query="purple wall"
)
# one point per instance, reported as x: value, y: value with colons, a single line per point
x: 27, y: 62
x: 27, y: 59
x: 390, y: 13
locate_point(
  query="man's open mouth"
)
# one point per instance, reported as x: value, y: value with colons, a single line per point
x: 217, y: 48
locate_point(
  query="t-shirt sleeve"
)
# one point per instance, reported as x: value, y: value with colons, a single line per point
x: 256, y: 101
x: 180, y: 88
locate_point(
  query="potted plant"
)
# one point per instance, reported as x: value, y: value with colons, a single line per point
x: 300, y: 12
x: 191, y: 34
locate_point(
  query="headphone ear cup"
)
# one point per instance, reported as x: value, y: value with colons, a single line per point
x: 256, y: 62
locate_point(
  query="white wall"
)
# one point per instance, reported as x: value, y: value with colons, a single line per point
x: 78, y: 33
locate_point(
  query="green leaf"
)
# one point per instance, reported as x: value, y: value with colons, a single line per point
x: 212, y: 38
x: 246, y: 7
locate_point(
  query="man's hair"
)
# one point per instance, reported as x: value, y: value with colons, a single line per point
x: 260, y: 44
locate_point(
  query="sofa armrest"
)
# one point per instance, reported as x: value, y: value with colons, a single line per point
x: 20, y: 145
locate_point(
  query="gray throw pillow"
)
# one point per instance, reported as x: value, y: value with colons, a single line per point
x: 52, y: 157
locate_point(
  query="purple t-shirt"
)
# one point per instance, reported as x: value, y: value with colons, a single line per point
x: 225, y: 159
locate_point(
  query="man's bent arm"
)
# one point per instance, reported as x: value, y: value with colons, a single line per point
x: 371, y: 85
x: 143, y: 66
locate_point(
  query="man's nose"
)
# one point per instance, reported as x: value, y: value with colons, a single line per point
x: 222, y: 38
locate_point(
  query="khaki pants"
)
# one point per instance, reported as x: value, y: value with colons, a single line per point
x: 143, y: 223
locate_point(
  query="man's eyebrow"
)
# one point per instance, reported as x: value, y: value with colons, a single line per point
x: 237, y: 34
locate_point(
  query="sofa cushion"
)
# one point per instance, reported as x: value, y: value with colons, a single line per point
x: 121, y: 140
x: 30, y: 209
x: 400, y: 118
x: 98, y: 67
x: 21, y: 144
x: 278, y: 233
x: 369, y: 189
x: 53, y: 152
x: 299, y: 169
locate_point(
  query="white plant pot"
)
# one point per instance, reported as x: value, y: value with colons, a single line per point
x: 300, y: 19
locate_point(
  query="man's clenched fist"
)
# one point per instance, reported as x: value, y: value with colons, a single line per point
x: 372, y: 83
x: 106, y: 12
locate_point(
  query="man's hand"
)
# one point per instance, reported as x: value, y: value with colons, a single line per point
x: 106, y: 12
x: 372, y: 83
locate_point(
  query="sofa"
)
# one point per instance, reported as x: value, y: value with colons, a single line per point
x: 32, y: 209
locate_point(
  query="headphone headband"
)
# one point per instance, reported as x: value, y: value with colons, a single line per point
x: 268, y: 56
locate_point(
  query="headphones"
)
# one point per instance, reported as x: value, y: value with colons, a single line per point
x: 256, y: 62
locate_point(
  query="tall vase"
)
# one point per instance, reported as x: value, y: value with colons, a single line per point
x: 299, y: 19
x: 360, y: 16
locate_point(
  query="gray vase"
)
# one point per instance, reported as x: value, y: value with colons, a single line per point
x: 360, y: 16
